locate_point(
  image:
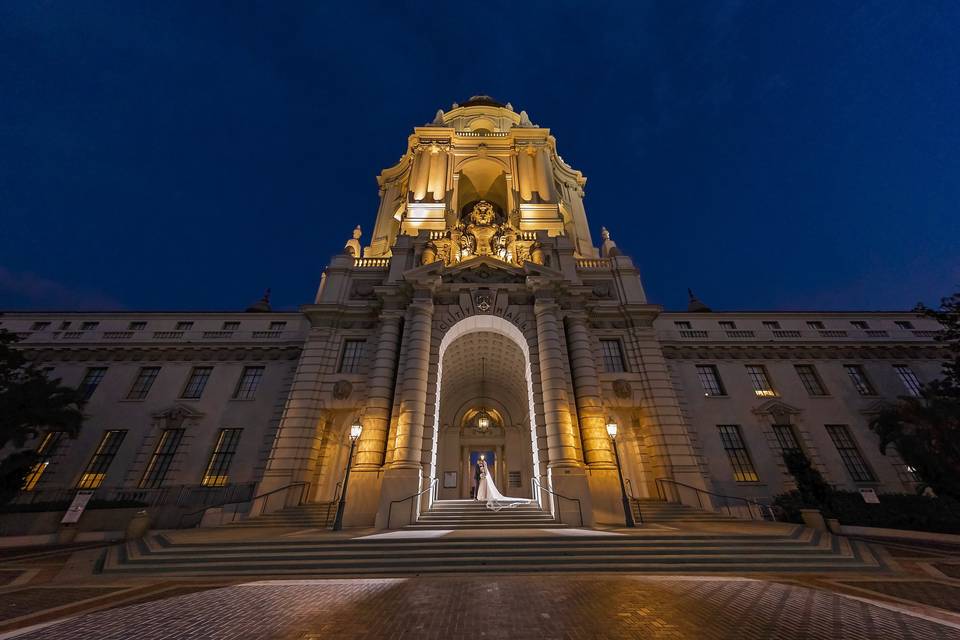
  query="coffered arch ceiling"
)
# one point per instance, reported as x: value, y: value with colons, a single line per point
x: 489, y: 356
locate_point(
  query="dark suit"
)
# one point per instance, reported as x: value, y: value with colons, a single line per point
x: 476, y: 480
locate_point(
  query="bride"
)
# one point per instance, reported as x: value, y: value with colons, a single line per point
x: 487, y: 491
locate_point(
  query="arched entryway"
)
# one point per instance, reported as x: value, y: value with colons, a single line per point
x: 484, y: 367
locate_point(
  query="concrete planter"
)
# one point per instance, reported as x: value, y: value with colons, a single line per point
x: 813, y: 519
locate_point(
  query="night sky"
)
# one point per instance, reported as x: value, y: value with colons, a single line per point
x: 768, y: 154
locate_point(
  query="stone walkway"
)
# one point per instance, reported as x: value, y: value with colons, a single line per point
x: 535, y: 607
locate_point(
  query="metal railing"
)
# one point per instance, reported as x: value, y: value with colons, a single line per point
x: 634, y: 501
x: 765, y: 511
x: 430, y: 485
x: 304, y: 490
x: 535, y: 482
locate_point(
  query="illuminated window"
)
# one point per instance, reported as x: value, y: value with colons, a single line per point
x: 710, y: 380
x: 231, y: 326
x: 45, y: 451
x: 743, y: 470
x: 137, y: 326
x: 760, y: 380
x: 91, y: 380
x: 612, y: 356
x: 859, y: 379
x: 217, y: 474
x: 249, y: 381
x: 184, y: 326
x: 849, y: 453
x: 196, y: 383
x: 786, y: 437
x: 96, y: 471
x: 810, y: 379
x: 352, y: 357
x: 162, y: 456
x: 143, y: 382
x: 908, y: 378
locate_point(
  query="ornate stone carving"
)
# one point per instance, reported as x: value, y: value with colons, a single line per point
x: 604, y: 290
x: 484, y: 302
x: 622, y: 388
x: 342, y: 389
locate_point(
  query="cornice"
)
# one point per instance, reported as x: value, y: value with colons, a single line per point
x: 158, y: 353
x: 888, y: 351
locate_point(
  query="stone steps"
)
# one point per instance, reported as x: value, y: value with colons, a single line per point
x: 316, y: 515
x: 658, y: 511
x: 470, y: 514
x: 799, y: 550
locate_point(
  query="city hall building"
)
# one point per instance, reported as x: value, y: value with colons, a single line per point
x: 480, y: 316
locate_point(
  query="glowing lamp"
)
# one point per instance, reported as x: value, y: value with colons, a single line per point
x: 611, y: 428
x: 355, y: 430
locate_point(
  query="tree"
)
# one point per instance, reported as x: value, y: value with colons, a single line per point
x: 925, y: 430
x: 813, y: 489
x: 30, y: 404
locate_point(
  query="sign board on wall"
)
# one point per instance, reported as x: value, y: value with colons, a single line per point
x: 76, y: 507
x: 870, y: 496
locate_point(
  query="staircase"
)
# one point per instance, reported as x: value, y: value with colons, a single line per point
x: 314, y: 515
x: 470, y: 514
x: 746, y: 548
x: 658, y: 511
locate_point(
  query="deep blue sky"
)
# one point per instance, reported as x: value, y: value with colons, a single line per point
x: 771, y: 155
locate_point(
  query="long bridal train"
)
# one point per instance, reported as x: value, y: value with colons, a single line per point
x: 487, y: 492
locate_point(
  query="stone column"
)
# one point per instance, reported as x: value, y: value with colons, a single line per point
x: 565, y: 471
x: 586, y: 388
x: 437, y: 180
x: 526, y: 176
x: 544, y: 173
x: 402, y: 477
x: 376, y: 418
x: 420, y: 174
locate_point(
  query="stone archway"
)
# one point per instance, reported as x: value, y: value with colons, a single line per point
x: 511, y: 391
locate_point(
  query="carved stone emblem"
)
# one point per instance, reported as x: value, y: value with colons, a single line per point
x: 484, y: 302
x: 622, y: 388
x: 342, y: 389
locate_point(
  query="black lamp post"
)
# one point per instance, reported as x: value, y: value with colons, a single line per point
x: 355, y: 430
x: 627, y: 511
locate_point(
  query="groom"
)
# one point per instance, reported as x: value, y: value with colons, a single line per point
x: 476, y: 476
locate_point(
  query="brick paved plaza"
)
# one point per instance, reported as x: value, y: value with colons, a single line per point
x: 535, y: 607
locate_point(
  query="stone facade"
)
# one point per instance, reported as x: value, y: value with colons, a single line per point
x: 481, y: 319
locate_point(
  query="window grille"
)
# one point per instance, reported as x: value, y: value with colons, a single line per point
x: 743, y: 470
x: 849, y: 453
x: 352, y: 358
x: 161, y: 459
x: 196, y: 383
x: 612, y: 356
x: 91, y: 380
x: 761, y: 381
x: 710, y: 380
x: 810, y: 379
x: 45, y: 451
x: 222, y: 455
x: 141, y: 385
x: 908, y: 378
x: 859, y: 379
x: 96, y: 471
x: 248, y: 383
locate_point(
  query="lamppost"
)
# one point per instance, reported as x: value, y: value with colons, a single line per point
x: 627, y: 511
x: 355, y: 430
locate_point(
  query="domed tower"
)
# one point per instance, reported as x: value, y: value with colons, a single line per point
x: 481, y: 150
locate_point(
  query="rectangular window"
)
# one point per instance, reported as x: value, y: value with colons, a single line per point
x: 137, y: 326
x: 815, y: 324
x: 39, y: 326
x: 45, y: 451
x: 352, y: 357
x: 728, y: 324
x: 682, y: 324
x: 184, y: 326
x: 908, y: 378
x: 161, y: 459
x: 96, y: 471
x: 743, y: 470
x: 903, y: 324
x: 217, y: 474
x: 612, y: 356
x: 196, y: 383
x: 849, y: 453
x: 710, y: 380
x: 91, y: 380
x: 64, y: 325
x: 859, y: 324
x: 760, y: 380
x: 278, y: 326
x: 810, y: 379
x: 249, y: 381
x: 231, y: 326
x: 89, y: 326
x: 143, y: 382
x: 786, y: 437
x: 771, y: 324
x: 859, y: 379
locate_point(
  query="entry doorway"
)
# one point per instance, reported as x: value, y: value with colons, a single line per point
x: 489, y: 457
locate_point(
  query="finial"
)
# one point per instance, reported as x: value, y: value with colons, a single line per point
x: 261, y: 306
x: 438, y: 119
x: 608, y: 248
x: 695, y: 305
x: 525, y: 120
x: 509, y: 106
x: 357, y: 232
x: 352, y: 247
x: 604, y: 233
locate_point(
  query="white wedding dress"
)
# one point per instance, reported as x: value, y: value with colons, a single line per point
x: 487, y: 492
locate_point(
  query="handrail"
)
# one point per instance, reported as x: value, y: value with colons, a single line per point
x: 536, y: 481
x: 662, y: 493
x: 419, y: 493
x: 251, y: 501
x: 634, y: 500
